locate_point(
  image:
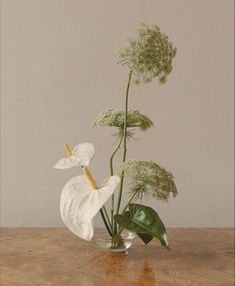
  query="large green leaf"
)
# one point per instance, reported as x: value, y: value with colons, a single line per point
x: 145, y: 237
x: 143, y: 220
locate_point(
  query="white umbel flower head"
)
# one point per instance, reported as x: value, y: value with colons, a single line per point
x: 81, y: 155
x: 80, y: 202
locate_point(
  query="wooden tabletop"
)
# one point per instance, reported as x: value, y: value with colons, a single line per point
x: 56, y: 257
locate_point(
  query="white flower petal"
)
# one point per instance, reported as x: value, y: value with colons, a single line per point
x: 104, y: 193
x: 84, y: 152
x: 79, y: 204
x: 66, y: 163
x: 86, y: 229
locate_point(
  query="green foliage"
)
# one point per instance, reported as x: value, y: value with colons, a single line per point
x: 149, y: 55
x: 149, y: 179
x: 144, y: 221
x: 114, y: 117
x: 145, y: 237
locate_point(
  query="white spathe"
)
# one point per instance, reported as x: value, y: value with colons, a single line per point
x: 82, y: 154
x: 80, y: 203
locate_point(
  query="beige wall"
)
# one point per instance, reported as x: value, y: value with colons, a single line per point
x: 58, y: 73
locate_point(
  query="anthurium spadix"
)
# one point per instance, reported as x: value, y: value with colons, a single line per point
x: 81, y: 198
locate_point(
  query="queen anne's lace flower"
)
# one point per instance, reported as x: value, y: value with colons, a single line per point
x: 149, y: 55
x: 115, y: 117
x: 149, y: 179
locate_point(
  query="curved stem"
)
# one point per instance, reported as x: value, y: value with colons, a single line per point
x: 124, y: 142
x: 111, y: 173
x: 114, y: 152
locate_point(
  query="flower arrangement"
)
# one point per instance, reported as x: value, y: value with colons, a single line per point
x: 147, y: 56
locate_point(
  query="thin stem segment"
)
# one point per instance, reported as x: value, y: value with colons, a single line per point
x: 126, y: 206
x: 105, y: 223
x: 124, y: 142
x: 130, y: 200
x: 107, y: 216
x: 111, y: 173
x: 114, y: 152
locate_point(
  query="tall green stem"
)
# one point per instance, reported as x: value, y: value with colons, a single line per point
x: 130, y: 200
x: 107, y: 217
x: 105, y: 223
x: 111, y: 173
x: 114, y: 152
x: 117, y: 234
x: 124, y: 142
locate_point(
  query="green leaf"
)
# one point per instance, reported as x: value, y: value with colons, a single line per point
x: 145, y: 237
x: 143, y: 220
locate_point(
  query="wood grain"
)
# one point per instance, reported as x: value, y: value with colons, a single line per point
x: 44, y: 257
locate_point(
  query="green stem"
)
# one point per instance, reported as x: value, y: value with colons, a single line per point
x: 126, y: 206
x: 111, y: 173
x: 114, y: 152
x: 105, y: 222
x: 107, y: 217
x: 119, y: 232
x: 130, y: 200
x: 124, y: 142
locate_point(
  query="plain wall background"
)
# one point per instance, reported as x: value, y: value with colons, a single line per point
x: 59, y: 73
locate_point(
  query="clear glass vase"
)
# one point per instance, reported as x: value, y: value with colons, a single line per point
x: 119, y: 244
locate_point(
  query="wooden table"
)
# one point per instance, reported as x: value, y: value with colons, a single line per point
x: 57, y: 257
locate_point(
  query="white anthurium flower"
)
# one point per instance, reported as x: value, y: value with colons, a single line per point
x: 81, y: 155
x: 81, y: 199
x: 80, y: 202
